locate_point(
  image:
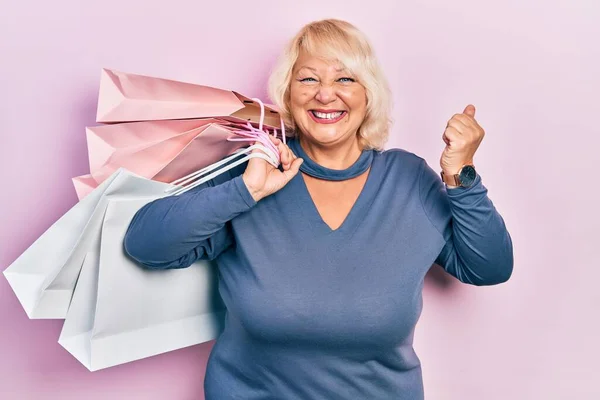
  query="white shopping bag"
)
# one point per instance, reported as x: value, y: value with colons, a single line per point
x: 122, y: 312
x: 44, y: 276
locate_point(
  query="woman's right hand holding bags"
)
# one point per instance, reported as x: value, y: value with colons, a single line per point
x: 262, y: 179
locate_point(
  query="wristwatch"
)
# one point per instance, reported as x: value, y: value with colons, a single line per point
x: 465, y: 177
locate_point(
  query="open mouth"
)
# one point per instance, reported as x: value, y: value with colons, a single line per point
x: 327, y: 117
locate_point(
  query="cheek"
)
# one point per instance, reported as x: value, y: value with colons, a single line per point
x: 356, y: 99
x: 300, y: 95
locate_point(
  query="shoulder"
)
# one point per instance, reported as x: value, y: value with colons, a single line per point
x: 401, y: 160
x: 401, y: 163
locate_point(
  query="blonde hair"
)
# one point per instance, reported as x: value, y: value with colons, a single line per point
x: 338, y: 41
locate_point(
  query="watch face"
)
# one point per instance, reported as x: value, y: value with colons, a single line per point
x: 467, y: 175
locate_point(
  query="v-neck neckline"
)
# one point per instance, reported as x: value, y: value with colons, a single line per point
x: 357, y: 211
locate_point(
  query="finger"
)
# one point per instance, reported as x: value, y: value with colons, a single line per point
x: 452, y: 135
x: 291, y: 157
x: 293, y: 170
x: 460, y: 127
x: 470, y: 110
x: 284, y: 153
x: 445, y: 139
x: 288, y: 156
x: 279, y: 146
x: 274, y: 139
x: 465, y: 119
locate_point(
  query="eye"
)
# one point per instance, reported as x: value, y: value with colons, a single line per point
x: 307, y: 80
x: 346, y: 80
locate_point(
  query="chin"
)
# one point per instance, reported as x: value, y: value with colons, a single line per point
x: 325, y: 135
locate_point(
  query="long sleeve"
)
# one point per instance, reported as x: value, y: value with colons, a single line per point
x: 478, y: 246
x: 173, y: 232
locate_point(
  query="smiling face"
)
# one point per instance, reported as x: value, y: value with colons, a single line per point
x: 327, y: 103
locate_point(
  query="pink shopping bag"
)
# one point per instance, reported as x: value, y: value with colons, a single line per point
x: 128, y: 97
x: 103, y: 141
x: 166, y: 160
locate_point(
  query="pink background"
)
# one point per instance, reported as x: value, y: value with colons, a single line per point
x: 530, y: 69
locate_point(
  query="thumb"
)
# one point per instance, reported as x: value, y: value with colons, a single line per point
x: 470, y: 110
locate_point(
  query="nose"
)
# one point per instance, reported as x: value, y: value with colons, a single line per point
x: 326, y: 94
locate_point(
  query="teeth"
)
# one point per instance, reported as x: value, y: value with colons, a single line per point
x: 327, y: 115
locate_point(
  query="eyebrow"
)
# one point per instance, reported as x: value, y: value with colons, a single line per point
x: 315, y: 70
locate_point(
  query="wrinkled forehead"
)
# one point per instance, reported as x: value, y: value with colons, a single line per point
x: 319, y: 66
x: 323, y: 59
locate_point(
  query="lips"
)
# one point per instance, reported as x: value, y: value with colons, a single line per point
x: 327, y: 116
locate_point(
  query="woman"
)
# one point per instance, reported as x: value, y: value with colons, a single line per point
x: 322, y: 271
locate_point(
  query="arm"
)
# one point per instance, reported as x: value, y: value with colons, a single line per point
x: 173, y: 232
x: 478, y: 246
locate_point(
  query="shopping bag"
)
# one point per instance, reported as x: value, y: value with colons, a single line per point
x: 84, y: 185
x: 127, y: 97
x: 104, y: 140
x: 30, y: 273
x: 167, y: 160
x: 210, y: 145
x: 123, y: 312
x: 44, y: 276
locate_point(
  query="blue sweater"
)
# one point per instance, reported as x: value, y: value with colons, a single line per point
x: 316, y: 313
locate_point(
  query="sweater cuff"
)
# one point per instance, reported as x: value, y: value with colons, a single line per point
x: 458, y: 191
x: 243, y: 191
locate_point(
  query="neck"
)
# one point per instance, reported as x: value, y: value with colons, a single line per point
x: 334, y: 163
x: 336, y: 156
